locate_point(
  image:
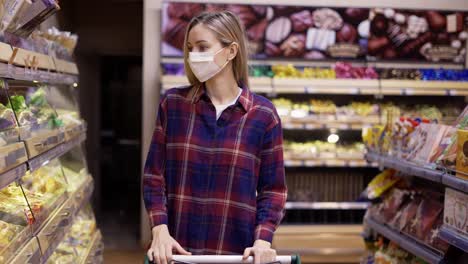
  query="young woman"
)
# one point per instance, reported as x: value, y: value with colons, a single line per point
x: 214, y: 176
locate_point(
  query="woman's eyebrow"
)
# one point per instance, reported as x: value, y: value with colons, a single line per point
x: 200, y: 41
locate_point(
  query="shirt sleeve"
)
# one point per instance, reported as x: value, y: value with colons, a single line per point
x: 272, y: 191
x: 154, y: 182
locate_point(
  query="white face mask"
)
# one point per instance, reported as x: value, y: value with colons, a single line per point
x: 203, y: 65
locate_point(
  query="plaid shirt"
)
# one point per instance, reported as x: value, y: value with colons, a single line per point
x: 218, y: 184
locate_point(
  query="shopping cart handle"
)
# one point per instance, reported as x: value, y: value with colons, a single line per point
x: 226, y: 259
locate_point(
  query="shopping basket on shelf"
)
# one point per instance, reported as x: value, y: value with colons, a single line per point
x: 225, y: 259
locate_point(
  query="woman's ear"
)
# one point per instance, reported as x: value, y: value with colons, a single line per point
x: 233, y: 49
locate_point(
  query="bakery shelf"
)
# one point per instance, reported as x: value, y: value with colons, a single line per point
x: 412, y: 169
x: 327, y: 205
x: 328, y: 163
x: 454, y: 238
x: 407, y: 243
x: 12, y: 175
x: 55, y: 152
x: 10, y: 251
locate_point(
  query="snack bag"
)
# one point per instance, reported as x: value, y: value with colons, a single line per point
x: 381, y: 183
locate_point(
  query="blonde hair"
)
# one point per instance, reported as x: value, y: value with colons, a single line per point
x: 228, y: 29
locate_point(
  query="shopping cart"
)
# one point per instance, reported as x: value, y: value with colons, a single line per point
x: 216, y: 259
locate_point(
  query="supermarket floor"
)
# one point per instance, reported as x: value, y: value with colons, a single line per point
x: 121, y: 240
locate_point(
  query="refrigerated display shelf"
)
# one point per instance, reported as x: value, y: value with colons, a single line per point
x: 12, y: 175
x: 30, y: 253
x: 337, y: 163
x: 435, y: 175
x: 341, y: 86
x: 94, y: 250
x: 63, y: 219
x: 54, y: 228
x: 19, y: 73
x: 454, y: 238
x: 407, y: 243
x: 38, y: 161
x: 327, y: 205
x: 12, y: 155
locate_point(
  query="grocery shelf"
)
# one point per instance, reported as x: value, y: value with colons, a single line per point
x: 55, y: 152
x: 94, y: 248
x: 329, y: 163
x: 12, y: 175
x: 454, y: 238
x: 331, y: 63
x: 439, y: 176
x: 13, y: 154
x: 407, y: 243
x: 30, y: 253
x: 60, y: 223
x: 278, y: 85
x: 327, y: 205
x: 455, y: 183
x: 340, y: 125
x: 325, y: 86
x: 25, y: 74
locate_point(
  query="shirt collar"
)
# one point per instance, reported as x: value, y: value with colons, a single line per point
x: 245, y: 98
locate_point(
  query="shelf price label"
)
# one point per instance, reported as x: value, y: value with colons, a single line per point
x: 355, y: 91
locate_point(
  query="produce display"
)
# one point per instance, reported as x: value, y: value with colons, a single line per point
x: 7, y: 118
x: 425, y: 74
x: 73, y: 247
x: 15, y: 207
x: 48, y: 186
x: 16, y: 218
x: 341, y: 70
x: 74, y: 168
x: 32, y: 107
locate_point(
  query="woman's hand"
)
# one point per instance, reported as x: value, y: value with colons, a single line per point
x: 261, y: 251
x: 163, y: 245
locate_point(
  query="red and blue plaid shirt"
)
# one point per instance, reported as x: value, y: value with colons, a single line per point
x: 218, y: 184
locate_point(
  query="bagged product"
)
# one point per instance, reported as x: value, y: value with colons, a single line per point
x: 428, y: 212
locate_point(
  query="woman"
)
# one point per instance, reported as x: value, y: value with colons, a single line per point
x: 214, y: 176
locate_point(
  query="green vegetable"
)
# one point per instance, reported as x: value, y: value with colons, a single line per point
x: 54, y: 121
x: 17, y: 103
x: 38, y: 98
